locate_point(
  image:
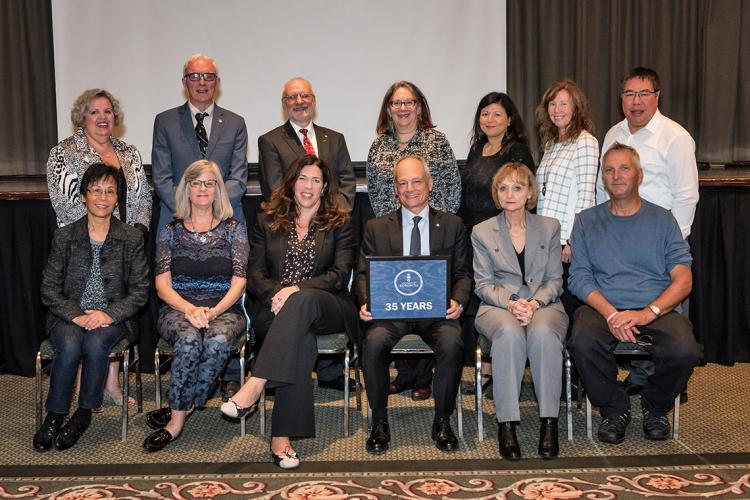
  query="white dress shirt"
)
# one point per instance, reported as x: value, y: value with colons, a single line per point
x: 407, y: 225
x: 670, y: 171
x: 310, y: 134
x: 207, y: 120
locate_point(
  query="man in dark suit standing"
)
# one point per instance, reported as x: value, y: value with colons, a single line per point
x: 299, y: 136
x: 415, y: 229
x: 196, y: 130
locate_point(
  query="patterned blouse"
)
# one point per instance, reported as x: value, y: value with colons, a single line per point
x: 93, y: 295
x: 68, y: 162
x: 431, y: 145
x: 300, y: 257
x: 567, y: 180
x: 202, y: 264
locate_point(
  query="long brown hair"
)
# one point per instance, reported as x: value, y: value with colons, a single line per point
x: 283, y: 210
x: 580, y: 121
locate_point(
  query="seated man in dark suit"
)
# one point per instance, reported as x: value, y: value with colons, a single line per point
x: 631, y: 266
x: 298, y: 136
x: 415, y: 229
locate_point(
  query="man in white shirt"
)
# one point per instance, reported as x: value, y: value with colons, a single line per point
x: 667, y: 151
x: 670, y: 171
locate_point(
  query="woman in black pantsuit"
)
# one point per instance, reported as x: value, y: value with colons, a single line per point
x: 301, y: 256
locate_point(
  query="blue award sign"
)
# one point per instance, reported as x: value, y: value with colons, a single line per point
x: 407, y: 288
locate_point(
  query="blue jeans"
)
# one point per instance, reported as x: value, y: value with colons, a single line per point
x: 73, y: 344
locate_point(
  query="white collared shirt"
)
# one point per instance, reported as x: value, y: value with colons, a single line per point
x: 310, y: 134
x: 207, y: 120
x: 670, y: 171
x: 407, y: 225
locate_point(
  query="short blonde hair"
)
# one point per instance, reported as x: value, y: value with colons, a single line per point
x: 222, y: 209
x: 521, y: 174
x: 618, y: 146
x: 81, y: 107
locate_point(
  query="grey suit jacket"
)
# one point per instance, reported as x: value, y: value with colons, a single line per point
x: 123, y: 268
x: 496, y: 270
x: 281, y: 146
x: 383, y: 237
x: 175, y: 147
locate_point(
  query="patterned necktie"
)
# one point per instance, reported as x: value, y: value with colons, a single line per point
x: 309, y: 149
x: 415, y: 248
x: 200, y: 132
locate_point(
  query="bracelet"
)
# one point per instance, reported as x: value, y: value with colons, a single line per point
x: 611, y: 316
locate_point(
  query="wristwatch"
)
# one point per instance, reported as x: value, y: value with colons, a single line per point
x: 655, y: 310
x: 514, y: 297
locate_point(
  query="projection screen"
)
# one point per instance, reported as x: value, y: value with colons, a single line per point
x: 351, y: 50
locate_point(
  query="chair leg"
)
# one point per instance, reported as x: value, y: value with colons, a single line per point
x: 478, y: 387
x: 262, y: 410
x: 242, y: 382
x: 357, y: 378
x: 346, y: 392
x: 460, y: 414
x: 157, y: 377
x: 568, y: 394
x: 676, y: 418
x: 589, y: 430
x: 38, y: 393
x: 125, y: 392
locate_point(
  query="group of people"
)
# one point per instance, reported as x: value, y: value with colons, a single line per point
x: 625, y: 259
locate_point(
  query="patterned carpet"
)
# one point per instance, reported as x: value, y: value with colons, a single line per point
x: 710, y: 459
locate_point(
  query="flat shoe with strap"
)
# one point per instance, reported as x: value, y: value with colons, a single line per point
x: 287, y: 460
x: 233, y: 410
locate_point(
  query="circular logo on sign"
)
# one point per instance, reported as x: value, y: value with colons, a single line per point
x: 408, y: 282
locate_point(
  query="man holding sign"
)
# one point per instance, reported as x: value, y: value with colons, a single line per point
x: 414, y: 230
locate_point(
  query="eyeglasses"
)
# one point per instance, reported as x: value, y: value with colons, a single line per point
x: 407, y: 103
x: 194, y: 77
x: 630, y: 94
x: 209, y: 184
x: 303, y: 96
x: 108, y: 193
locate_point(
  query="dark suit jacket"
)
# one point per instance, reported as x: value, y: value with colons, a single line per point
x: 123, y: 268
x: 335, y: 252
x: 383, y: 238
x: 175, y: 147
x: 281, y: 146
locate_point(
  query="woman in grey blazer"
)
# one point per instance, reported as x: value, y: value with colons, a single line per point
x: 518, y: 278
x: 95, y: 281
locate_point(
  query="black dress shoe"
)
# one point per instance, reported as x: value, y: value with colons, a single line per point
x: 228, y: 389
x: 379, y: 438
x: 549, y: 446
x: 70, y: 433
x: 157, y: 440
x: 45, y: 436
x: 421, y: 394
x: 337, y: 384
x: 612, y: 429
x: 508, y: 442
x: 443, y: 435
x: 158, y: 419
x: 655, y: 427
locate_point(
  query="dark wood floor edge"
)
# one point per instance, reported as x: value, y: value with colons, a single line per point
x: 648, y: 461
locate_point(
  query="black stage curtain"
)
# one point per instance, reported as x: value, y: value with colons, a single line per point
x: 720, y: 302
x: 698, y: 47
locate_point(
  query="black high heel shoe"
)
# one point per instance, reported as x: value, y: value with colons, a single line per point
x: 286, y: 460
x: 233, y: 410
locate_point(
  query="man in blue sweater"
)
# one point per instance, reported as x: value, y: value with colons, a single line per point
x: 631, y: 266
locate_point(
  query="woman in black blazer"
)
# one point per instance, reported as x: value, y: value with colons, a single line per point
x: 301, y: 257
x: 95, y: 281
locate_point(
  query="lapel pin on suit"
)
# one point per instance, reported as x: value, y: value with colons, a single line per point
x: 221, y: 120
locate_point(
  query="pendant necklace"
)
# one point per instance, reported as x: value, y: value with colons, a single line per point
x: 202, y: 237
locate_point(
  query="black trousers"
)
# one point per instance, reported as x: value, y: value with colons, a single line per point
x: 287, y: 358
x: 675, y: 352
x: 443, y: 337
